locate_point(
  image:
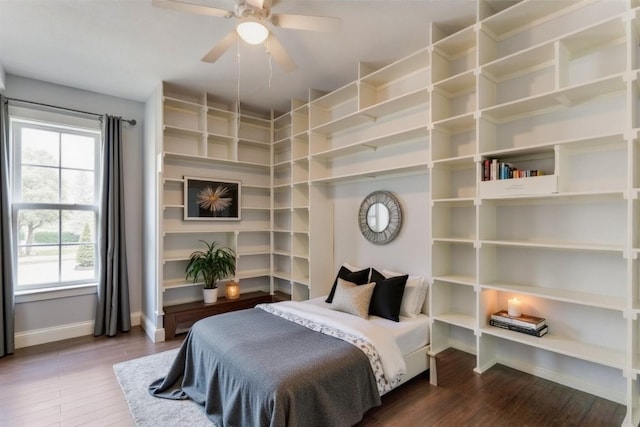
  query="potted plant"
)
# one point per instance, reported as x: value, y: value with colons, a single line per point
x: 214, y: 264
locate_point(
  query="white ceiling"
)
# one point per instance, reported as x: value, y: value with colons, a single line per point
x: 125, y: 48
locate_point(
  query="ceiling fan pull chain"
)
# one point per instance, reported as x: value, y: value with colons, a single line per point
x: 266, y: 48
x: 238, y: 83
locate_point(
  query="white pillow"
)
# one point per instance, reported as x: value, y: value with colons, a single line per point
x: 353, y: 299
x: 414, y: 295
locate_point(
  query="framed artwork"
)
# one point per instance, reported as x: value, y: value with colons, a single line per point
x: 211, y: 199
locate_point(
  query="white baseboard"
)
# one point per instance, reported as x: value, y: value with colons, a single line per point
x: 62, y: 332
x: 149, y: 327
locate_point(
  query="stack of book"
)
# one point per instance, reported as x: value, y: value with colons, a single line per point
x: 525, y: 324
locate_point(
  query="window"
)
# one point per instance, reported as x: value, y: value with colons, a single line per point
x: 55, y: 170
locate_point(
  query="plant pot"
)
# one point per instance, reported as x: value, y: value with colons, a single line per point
x: 210, y: 295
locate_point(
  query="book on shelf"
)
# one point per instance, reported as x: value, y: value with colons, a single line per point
x: 493, y: 169
x: 524, y: 320
x: 538, y: 332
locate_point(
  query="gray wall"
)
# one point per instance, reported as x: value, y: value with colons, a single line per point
x: 59, y: 312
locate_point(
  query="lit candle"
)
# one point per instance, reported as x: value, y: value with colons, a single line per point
x: 233, y: 290
x: 514, y: 307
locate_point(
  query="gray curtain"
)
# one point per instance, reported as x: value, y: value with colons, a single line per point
x: 113, y: 313
x: 6, y: 236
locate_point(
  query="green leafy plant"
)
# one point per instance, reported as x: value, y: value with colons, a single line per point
x: 212, y: 265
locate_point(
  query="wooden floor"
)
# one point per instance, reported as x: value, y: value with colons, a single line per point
x: 71, y: 383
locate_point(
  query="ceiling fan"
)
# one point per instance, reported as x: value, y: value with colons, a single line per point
x: 252, y: 16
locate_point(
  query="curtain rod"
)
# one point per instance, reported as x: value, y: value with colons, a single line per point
x: 132, y: 122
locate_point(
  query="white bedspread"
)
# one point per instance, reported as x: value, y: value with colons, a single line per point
x: 410, y: 333
x: 391, y: 358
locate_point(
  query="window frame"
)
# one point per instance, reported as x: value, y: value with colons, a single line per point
x: 23, y: 118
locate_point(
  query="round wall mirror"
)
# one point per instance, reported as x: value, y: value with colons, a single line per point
x: 380, y: 217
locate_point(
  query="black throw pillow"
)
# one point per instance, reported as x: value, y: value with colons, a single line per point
x: 387, y: 295
x: 358, y: 277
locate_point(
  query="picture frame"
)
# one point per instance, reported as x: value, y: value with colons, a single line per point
x: 210, y: 199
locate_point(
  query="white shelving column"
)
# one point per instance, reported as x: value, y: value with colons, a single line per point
x: 202, y: 136
x: 555, y: 90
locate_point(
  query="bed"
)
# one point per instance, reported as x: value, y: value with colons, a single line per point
x: 296, y: 363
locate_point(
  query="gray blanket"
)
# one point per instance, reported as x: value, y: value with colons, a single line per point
x: 253, y: 368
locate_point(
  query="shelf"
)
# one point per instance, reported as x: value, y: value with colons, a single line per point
x: 595, y: 195
x: 219, y: 112
x: 564, y: 295
x: 253, y: 142
x: 183, y: 131
x: 555, y: 99
x: 464, y: 82
x: 457, y: 319
x: 250, y: 274
x: 284, y: 275
x: 453, y: 203
x: 567, y: 347
x: 523, y: 15
x: 371, y: 113
x: 457, y: 279
x: 419, y: 168
x: 548, y: 147
x: 453, y: 240
x: 556, y: 246
x: 456, y: 124
x: 453, y: 162
x: 375, y: 143
x: 337, y: 97
x: 178, y: 284
x: 399, y: 69
x: 211, y: 230
x: 212, y: 160
x: 456, y: 44
x: 511, y: 65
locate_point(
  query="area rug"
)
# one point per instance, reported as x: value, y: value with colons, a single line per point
x: 135, y: 376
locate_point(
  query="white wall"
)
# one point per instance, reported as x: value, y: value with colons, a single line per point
x: 409, y: 252
x: 40, y: 317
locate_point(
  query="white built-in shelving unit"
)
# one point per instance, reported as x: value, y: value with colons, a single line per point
x: 291, y: 213
x: 202, y: 136
x: 546, y: 85
x: 550, y: 86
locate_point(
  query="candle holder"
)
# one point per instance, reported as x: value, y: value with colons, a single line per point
x: 232, y: 290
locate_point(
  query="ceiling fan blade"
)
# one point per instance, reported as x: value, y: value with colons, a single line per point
x: 220, y: 48
x: 255, y: 3
x: 306, y: 22
x: 182, y: 6
x: 280, y: 55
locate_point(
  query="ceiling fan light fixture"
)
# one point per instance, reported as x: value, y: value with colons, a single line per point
x: 252, y: 32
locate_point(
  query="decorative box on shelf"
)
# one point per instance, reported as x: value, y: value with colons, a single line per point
x: 530, y: 186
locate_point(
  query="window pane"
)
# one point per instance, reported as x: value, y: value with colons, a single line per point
x: 39, y: 184
x: 38, y: 265
x: 37, y: 226
x: 78, y: 262
x: 77, y: 151
x: 40, y: 147
x: 78, y: 227
x: 77, y: 187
